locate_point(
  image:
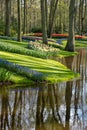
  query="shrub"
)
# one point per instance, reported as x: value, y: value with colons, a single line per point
x: 2, y: 27
x: 36, y: 30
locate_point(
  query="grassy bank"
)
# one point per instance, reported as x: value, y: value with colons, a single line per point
x: 29, y: 65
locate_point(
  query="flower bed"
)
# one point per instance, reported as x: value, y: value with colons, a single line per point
x: 54, y: 35
x: 38, y: 34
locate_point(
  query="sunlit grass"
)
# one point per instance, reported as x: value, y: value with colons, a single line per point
x: 21, y: 48
x: 9, y: 47
x: 53, y: 71
x: 81, y: 43
x: 78, y: 43
x: 14, y: 42
x: 6, y: 76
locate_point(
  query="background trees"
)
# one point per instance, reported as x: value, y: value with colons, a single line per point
x: 57, y: 13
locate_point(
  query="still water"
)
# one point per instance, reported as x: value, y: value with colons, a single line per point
x: 60, y: 106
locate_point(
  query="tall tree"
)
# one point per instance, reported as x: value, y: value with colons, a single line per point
x: 53, y: 8
x: 44, y: 19
x: 19, y: 19
x: 82, y: 11
x: 70, y: 46
x: 7, y: 17
x: 25, y: 9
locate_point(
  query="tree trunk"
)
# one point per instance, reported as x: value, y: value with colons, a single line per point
x: 7, y: 18
x: 70, y: 46
x: 44, y: 20
x: 24, y: 26
x: 53, y: 7
x: 82, y: 16
x: 19, y: 20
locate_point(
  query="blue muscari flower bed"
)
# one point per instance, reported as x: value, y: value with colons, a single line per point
x: 24, y: 38
x: 22, y: 70
x: 59, y: 41
x: 8, y: 38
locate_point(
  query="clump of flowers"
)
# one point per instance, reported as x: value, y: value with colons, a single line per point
x: 42, y: 47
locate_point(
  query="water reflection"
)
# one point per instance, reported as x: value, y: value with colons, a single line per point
x: 61, y: 106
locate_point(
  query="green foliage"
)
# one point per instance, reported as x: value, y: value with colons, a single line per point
x: 20, y: 50
x: 43, y: 70
x: 34, y: 68
x: 81, y: 43
x: 36, y: 30
x: 2, y: 27
x: 39, y: 50
x: 24, y: 71
x: 78, y: 43
x: 4, y: 74
x: 13, y: 32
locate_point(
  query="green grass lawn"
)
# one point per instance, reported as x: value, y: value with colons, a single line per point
x: 53, y: 71
x: 6, y: 75
x: 17, y: 53
x: 22, y: 48
x: 78, y: 43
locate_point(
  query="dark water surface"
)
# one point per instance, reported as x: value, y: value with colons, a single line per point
x: 61, y: 106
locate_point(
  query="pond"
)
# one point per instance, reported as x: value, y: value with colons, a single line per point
x: 60, y: 106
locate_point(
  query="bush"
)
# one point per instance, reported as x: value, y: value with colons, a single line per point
x: 13, y: 32
x: 35, y: 30
x: 2, y: 27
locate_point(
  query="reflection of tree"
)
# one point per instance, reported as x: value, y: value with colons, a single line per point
x: 48, y: 109
x: 41, y: 102
x: 78, y: 65
x: 68, y: 93
x: 7, y: 112
x: 4, y: 111
x: 17, y: 105
x: 53, y: 96
x: 14, y: 109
